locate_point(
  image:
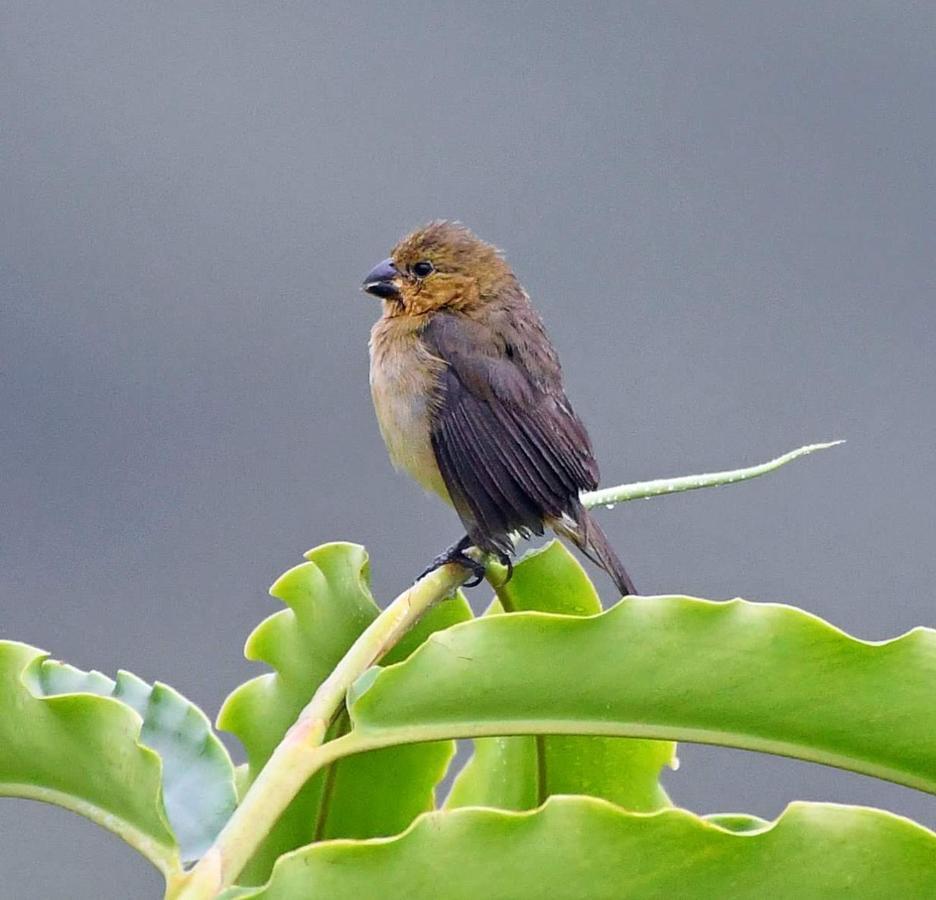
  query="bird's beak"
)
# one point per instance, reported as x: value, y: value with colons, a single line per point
x: 382, y: 281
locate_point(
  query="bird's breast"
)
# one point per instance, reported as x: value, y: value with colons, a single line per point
x: 404, y: 386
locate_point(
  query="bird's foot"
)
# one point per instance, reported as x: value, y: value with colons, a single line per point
x: 456, y: 554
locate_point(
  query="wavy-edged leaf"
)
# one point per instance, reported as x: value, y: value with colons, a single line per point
x: 140, y: 760
x: 328, y: 605
x: 578, y: 847
x: 198, y: 789
x: 737, y: 822
x: 520, y: 772
x: 756, y: 676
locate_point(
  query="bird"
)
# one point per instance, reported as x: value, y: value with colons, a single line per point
x: 468, y: 393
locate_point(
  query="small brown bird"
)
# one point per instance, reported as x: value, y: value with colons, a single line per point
x: 469, y: 398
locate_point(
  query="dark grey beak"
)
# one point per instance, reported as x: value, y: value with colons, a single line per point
x: 381, y: 281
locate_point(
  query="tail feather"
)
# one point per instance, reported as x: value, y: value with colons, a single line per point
x: 587, y: 535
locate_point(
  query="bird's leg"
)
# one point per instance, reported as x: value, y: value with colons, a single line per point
x: 456, y: 554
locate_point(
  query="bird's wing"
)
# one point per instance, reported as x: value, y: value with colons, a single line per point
x: 510, y: 449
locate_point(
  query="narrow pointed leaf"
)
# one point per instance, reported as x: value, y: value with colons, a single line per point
x: 329, y: 605
x: 138, y: 759
x: 755, y: 676
x: 577, y: 847
x: 520, y: 772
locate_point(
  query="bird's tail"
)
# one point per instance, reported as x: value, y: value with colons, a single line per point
x: 587, y: 535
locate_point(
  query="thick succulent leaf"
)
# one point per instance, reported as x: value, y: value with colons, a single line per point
x: 198, y: 787
x: 576, y: 847
x: 329, y: 605
x: 520, y: 772
x: 755, y: 676
x: 139, y: 759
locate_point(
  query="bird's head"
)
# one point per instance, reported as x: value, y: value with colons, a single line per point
x: 440, y: 266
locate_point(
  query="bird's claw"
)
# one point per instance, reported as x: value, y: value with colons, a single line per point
x: 456, y: 554
x: 507, y: 562
x: 477, y: 570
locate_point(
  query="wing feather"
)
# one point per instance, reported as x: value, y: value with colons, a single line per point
x: 510, y: 449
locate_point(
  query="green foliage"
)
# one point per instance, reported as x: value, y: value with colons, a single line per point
x: 756, y: 676
x: 138, y: 759
x: 577, y: 847
x: 573, y: 712
x: 329, y: 604
x: 521, y: 772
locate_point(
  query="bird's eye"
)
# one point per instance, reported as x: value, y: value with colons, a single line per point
x: 423, y: 268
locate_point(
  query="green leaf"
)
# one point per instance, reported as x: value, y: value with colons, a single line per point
x: 756, y: 676
x: 737, y: 822
x: 520, y: 772
x: 329, y: 605
x: 578, y: 847
x: 138, y: 759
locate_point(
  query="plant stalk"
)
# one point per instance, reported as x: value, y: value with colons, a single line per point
x: 642, y: 490
x: 296, y: 758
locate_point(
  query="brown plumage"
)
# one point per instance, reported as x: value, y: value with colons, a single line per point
x: 468, y: 393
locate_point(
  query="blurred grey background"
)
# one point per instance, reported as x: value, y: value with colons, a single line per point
x: 724, y: 211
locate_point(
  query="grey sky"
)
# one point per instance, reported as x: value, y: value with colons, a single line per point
x: 724, y: 212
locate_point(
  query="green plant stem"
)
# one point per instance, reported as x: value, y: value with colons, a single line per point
x: 296, y: 758
x: 301, y: 752
x: 343, y: 725
x: 642, y: 490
